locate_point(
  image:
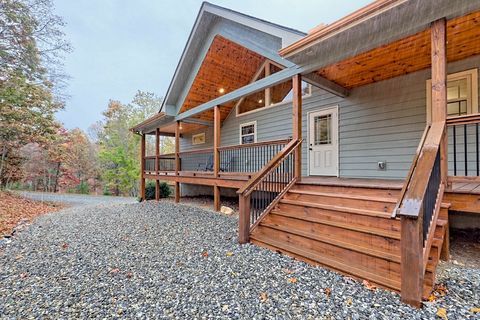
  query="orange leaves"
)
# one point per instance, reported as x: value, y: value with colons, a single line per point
x: 65, y: 246
x: 440, y: 290
x: 292, y: 280
x: 327, y: 292
x: 263, y: 297
x: 15, y: 209
x: 205, y: 254
x: 369, y: 286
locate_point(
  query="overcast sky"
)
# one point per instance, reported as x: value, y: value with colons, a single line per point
x: 121, y: 46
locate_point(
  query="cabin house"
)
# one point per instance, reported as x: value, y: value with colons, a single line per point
x: 351, y: 147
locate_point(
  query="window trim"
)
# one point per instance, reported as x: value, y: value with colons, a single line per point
x: 472, y: 87
x: 198, y: 135
x: 254, y: 123
x: 255, y: 78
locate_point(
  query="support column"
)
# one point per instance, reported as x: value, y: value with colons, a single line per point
x: 177, y: 160
x: 268, y: 95
x: 439, y: 85
x: 411, y: 253
x: 157, y: 163
x: 297, y: 122
x: 216, y: 157
x: 142, y: 167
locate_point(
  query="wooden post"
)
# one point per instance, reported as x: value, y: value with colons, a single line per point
x: 244, y: 219
x: 177, y: 160
x: 142, y: 167
x: 216, y: 156
x: 297, y: 122
x: 268, y: 95
x: 157, y: 163
x: 439, y: 85
x: 412, y: 260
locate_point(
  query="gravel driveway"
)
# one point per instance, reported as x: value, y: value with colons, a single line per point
x: 150, y: 260
x: 75, y: 199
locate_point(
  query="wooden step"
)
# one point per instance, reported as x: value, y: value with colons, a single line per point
x: 369, y: 250
x: 374, y: 192
x: 365, y: 212
x: 364, y: 229
x: 311, y: 255
x: 368, y: 203
x: 359, y: 196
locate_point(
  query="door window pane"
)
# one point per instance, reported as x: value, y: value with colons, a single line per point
x: 323, y: 129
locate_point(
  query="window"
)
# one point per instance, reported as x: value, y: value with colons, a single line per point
x: 323, y: 132
x: 248, y: 132
x: 278, y: 94
x: 462, y: 94
x: 198, y: 138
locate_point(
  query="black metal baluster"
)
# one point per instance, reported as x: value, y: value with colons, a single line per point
x: 454, y: 150
x: 465, y: 142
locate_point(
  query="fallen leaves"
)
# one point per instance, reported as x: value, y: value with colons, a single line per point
x: 65, y: 246
x: 114, y: 271
x: 129, y: 275
x: 327, y: 292
x: 475, y: 310
x: 369, y: 286
x: 349, y: 302
x: 287, y: 271
x: 229, y: 253
x: 23, y: 275
x: 440, y: 290
x: 442, y: 313
x: 14, y: 209
x: 205, y: 254
x: 292, y: 280
x: 263, y: 297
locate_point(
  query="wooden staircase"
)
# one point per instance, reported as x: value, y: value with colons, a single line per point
x: 348, y: 229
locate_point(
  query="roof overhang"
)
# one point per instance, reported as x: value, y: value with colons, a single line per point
x: 380, y: 23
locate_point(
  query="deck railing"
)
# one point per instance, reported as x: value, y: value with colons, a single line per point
x: 419, y: 207
x: 464, y: 145
x: 249, y: 157
x: 150, y: 164
x: 262, y: 192
x: 196, y: 160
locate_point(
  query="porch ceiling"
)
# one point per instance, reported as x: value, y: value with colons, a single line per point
x: 406, y: 55
x: 228, y: 66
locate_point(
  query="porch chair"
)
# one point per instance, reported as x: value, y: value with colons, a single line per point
x: 207, y: 166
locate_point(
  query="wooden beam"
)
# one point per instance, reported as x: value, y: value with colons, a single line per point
x: 216, y: 156
x: 177, y: 160
x: 439, y: 86
x: 259, y: 85
x: 142, y: 167
x: 297, y: 122
x: 411, y: 261
x: 157, y: 163
x: 318, y: 81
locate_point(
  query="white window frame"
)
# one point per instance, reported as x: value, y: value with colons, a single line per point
x: 257, y: 74
x: 472, y: 91
x: 254, y: 123
x: 198, y: 135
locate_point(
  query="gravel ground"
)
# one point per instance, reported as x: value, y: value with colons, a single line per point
x: 75, y: 199
x: 161, y: 260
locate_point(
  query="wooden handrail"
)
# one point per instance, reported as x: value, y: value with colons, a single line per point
x: 468, y: 119
x: 256, y: 144
x: 411, y: 204
x: 248, y: 187
x: 410, y: 172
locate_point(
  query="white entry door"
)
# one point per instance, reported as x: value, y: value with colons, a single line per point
x: 323, y: 142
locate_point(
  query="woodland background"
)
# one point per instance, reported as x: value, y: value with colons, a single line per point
x: 36, y: 151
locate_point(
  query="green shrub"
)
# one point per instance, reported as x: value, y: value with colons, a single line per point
x: 83, y: 188
x: 165, y: 190
x: 106, y: 191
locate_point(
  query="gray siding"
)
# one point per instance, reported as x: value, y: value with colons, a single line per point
x: 379, y: 122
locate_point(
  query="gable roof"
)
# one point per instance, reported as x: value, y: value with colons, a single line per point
x: 201, y: 34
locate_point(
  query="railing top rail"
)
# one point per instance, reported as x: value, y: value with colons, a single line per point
x: 255, y: 180
x: 467, y: 119
x: 411, y: 203
x: 206, y: 150
x: 410, y: 172
x: 256, y: 144
x: 167, y: 155
x: 149, y: 157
